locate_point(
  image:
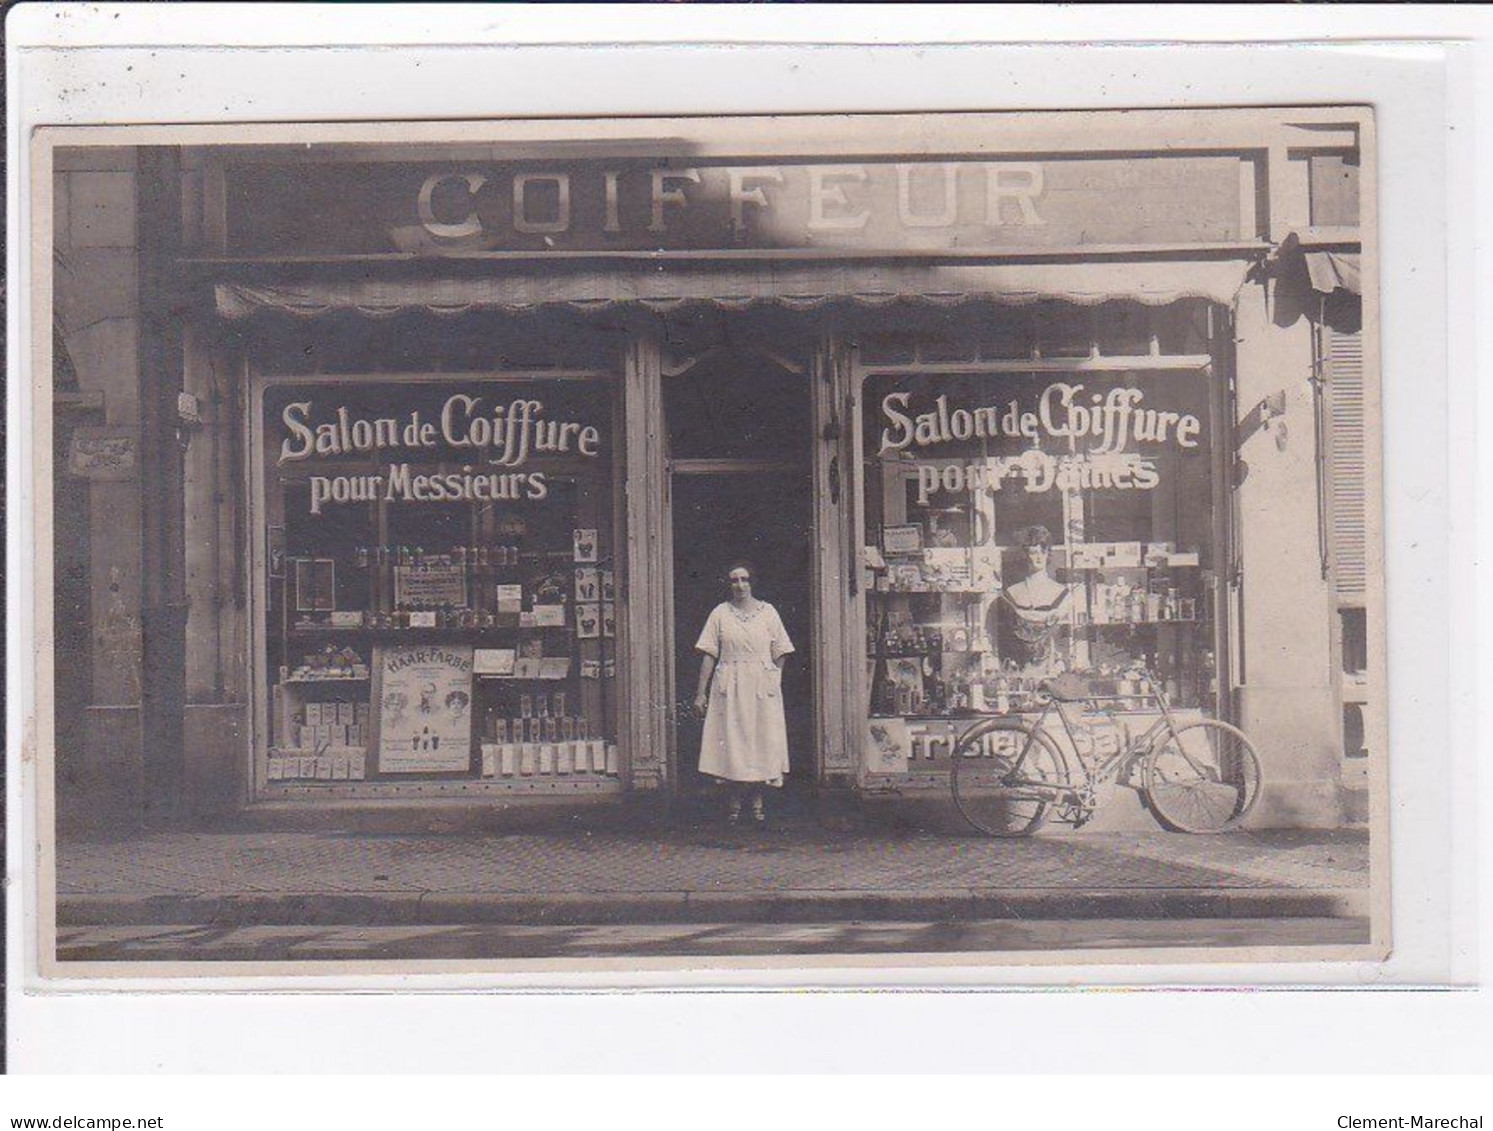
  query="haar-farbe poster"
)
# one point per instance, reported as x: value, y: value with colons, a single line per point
x: 425, y: 709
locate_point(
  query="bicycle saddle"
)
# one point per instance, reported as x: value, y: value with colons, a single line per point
x: 1067, y: 688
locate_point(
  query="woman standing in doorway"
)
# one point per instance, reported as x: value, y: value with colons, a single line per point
x: 741, y: 695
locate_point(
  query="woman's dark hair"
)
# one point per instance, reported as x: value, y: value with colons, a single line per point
x: 1034, y: 536
x: 739, y: 563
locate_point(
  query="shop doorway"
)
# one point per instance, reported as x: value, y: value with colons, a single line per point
x: 762, y: 515
x: 739, y: 488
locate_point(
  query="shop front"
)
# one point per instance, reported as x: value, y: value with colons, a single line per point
x: 479, y: 427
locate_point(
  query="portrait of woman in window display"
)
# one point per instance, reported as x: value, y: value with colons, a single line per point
x: 1031, y: 613
x: 744, y: 646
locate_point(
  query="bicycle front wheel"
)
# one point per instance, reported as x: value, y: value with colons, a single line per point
x: 1006, y: 778
x: 1202, y: 778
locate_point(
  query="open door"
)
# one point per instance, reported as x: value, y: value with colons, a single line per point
x: 740, y: 488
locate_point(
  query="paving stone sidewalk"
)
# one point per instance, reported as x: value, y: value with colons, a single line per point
x: 613, y: 876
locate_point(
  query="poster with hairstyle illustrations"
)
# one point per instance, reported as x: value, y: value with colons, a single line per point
x: 424, y: 708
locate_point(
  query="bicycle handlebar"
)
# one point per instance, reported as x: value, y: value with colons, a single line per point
x: 1048, y: 689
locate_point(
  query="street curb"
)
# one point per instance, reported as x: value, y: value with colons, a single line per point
x: 412, y: 908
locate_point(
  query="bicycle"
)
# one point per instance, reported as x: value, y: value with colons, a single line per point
x: 1009, y: 775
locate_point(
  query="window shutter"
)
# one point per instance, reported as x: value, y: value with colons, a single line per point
x: 1347, y: 471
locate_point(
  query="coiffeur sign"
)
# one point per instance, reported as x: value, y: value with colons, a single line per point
x: 665, y: 204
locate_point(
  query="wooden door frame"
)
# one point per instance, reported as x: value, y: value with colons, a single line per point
x: 829, y: 755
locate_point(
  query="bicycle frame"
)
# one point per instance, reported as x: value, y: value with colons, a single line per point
x: 1081, y: 795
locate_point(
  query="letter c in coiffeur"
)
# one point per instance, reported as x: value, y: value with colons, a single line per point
x: 464, y: 229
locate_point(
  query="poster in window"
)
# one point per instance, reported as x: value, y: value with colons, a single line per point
x: 904, y: 539
x: 494, y: 661
x: 588, y: 621
x: 275, y: 550
x: 587, y: 584
x: 315, y: 585
x: 430, y: 585
x: 424, y: 697
x: 585, y: 542
x: 887, y: 747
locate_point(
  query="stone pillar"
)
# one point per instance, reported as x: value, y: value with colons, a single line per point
x: 215, y: 725
x: 1285, y: 614
x: 96, y: 303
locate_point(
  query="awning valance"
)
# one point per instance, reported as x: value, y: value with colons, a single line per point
x: 663, y: 288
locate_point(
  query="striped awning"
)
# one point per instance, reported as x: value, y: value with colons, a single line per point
x: 662, y: 287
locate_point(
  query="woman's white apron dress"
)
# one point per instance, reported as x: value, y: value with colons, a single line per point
x: 746, y: 737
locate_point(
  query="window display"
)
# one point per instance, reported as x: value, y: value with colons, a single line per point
x: 439, y: 594
x: 1020, y: 525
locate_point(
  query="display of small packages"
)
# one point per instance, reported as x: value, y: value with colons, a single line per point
x: 331, y: 662
x: 542, y: 741
x: 333, y: 765
x: 947, y: 570
x: 1132, y: 597
x: 332, y: 724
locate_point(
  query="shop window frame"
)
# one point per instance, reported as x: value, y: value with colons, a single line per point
x: 256, y: 577
x: 1214, y: 365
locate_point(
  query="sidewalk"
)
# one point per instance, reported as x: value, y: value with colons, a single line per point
x: 605, y: 876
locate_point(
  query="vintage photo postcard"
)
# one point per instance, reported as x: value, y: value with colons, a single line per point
x: 886, y: 540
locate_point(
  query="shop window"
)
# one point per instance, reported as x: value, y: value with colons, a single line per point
x: 1334, y: 189
x: 887, y: 349
x: 1355, y: 629
x: 950, y: 333
x: 1123, y: 329
x: 1023, y: 525
x: 1183, y: 327
x: 439, y: 582
x: 1063, y: 330
x: 1007, y: 333
x: 1353, y: 731
x: 736, y: 403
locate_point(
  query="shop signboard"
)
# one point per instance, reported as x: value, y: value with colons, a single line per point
x: 424, y: 696
x: 864, y: 207
x: 103, y: 454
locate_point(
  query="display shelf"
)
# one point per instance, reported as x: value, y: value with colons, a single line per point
x: 525, y: 678
x: 464, y: 634
x: 1139, y: 623
x: 317, y: 751
x: 936, y: 592
x: 380, y: 789
x: 299, y: 679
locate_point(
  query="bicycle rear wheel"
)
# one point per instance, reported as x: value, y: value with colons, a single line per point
x: 1204, y: 778
x: 1006, y: 778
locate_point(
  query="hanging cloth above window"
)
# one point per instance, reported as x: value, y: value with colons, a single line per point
x: 1330, y: 271
x: 663, y: 287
